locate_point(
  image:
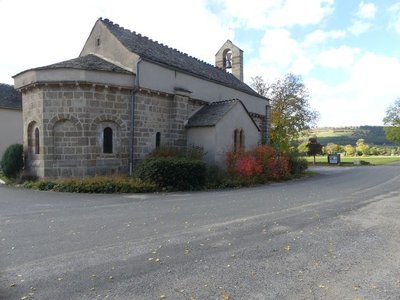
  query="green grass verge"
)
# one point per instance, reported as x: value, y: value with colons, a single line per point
x: 373, y: 160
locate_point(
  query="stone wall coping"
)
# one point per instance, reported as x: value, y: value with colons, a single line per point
x: 66, y: 75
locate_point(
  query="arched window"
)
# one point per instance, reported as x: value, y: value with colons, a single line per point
x: 107, y: 140
x: 36, y: 141
x: 158, y: 139
x: 238, y: 140
x: 227, y: 59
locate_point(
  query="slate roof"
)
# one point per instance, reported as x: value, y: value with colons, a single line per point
x: 156, y: 52
x: 210, y: 114
x: 88, y: 62
x: 9, y: 97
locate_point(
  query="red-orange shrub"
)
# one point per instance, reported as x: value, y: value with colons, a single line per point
x: 278, y: 167
x: 231, y: 159
x: 248, y: 166
x: 264, y: 161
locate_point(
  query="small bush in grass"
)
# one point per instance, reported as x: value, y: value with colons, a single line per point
x: 97, y: 184
x: 215, y: 177
x: 173, y: 173
x: 12, y: 161
x: 297, y: 165
x: 194, y: 152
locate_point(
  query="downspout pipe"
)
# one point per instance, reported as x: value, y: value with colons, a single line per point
x: 133, y: 103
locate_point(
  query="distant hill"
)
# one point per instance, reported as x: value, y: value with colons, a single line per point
x: 373, y: 135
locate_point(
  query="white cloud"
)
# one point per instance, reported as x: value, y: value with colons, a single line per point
x: 376, y: 77
x: 366, y: 10
x: 394, y: 12
x: 319, y: 36
x: 251, y: 14
x: 363, y: 97
x: 342, y: 57
x: 295, y: 12
x: 364, y: 17
x: 276, y: 13
x: 279, y: 48
x: 358, y: 27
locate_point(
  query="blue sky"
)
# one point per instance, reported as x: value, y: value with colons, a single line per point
x: 347, y: 51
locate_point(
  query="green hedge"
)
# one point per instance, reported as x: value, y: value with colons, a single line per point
x: 297, y: 165
x: 98, y: 184
x: 12, y: 161
x: 173, y: 173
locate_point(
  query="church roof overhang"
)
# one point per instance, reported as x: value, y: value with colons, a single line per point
x: 89, y: 69
x: 35, y: 76
x: 210, y: 114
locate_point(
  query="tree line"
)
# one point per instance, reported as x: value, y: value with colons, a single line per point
x: 291, y: 114
x: 361, y: 148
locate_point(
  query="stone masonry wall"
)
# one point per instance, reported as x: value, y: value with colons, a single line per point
x: 75, y: 116
x: 32, y: 116
x: 151, y: 116
x: 163, y: 113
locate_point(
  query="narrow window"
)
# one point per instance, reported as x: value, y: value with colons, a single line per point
x: 236, y: 140
x: 36, y: 142
x: 241, y: 139
x: 158, y: 139
x: 98, y: 42
x: 107, y: 140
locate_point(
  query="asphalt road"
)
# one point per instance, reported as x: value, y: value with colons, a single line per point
x: 333, y: 236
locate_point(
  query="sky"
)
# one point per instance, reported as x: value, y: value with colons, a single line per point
x: 347, y: 52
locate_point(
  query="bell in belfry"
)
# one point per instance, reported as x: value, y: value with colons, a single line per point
x: 228, y: 60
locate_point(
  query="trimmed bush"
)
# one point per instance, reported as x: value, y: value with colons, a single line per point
x: 297, y: 165
x: 12, y: 161
x: 215, y: 177
x: 173, y: 173
x: 98, y: 184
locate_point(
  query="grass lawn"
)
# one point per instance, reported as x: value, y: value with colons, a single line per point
x: 346, y: 160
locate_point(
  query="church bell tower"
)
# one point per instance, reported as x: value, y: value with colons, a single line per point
x: 230, y: 58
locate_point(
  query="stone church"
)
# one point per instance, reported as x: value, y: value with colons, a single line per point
x: 126, y: 95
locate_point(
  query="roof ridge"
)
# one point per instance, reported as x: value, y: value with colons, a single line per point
x: 171, y: 57
x: 158, y: 43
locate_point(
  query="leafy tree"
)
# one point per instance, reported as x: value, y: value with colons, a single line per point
x: 349, y: 150
x: 332, y: 148
x: 303, y: 147
x: 392, y: 122
x: 314, y: 147
x: 290, y: 108
x: 362, y: 148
